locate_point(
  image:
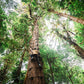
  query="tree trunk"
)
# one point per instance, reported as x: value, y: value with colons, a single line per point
x: 76, y: 46
x: 78, y: 20
x: 49, y: 62
x: 34, y: 73
x: 17, y: 77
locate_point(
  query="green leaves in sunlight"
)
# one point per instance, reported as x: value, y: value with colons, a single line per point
x: 3, y: 30
x: 79, y: 34
x: 76, y: 7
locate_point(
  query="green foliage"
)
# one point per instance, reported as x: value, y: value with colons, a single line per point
x: 76, y: 7
x: 80, y: 34
x: 19, y: 32
x: 22, y: 76
x: 26, y: 0
x: 3, y: 32
x: 61, y: 70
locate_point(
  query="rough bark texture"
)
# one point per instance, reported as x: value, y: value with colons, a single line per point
x: 76, y: 46
x: 35, y: 72
x: 78, y: 20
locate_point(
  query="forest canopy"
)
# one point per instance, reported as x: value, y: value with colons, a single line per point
x: 41, y: 42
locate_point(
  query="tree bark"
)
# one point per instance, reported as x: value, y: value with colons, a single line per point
x: 34, y: 73
x: 78, y: 20
x: 76, y: 46
x: 16, y: 81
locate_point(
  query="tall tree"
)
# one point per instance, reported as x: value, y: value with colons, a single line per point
x: 35, y: 67
x: 34, y: 73
x: 73, y: 6
x: 21, y: 35
x: 76, y: 46
x: 78, y: 20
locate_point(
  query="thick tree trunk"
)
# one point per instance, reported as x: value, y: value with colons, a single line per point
x: 49, y: 62
x: 16, y: 81
x: 35, y: 67
x: 76, y: 46
x: 78, y: 20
